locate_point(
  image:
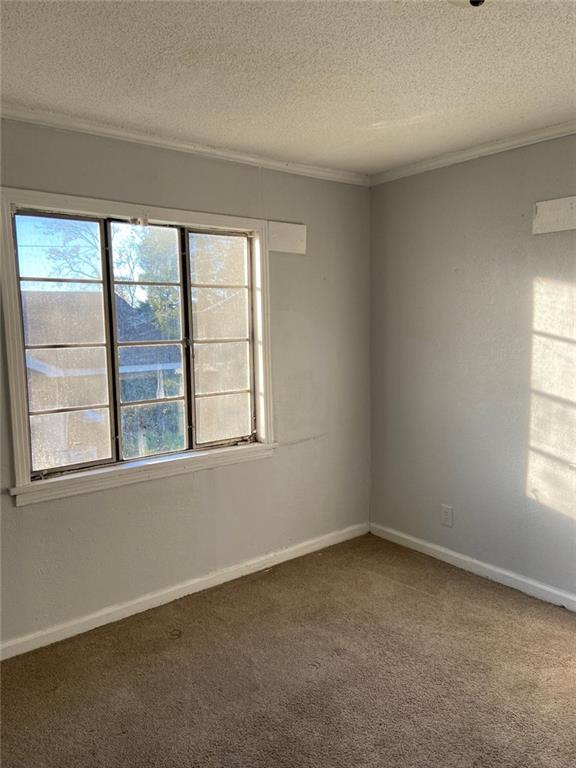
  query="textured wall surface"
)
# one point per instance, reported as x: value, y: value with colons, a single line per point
x: 474, y: 361
x: 67, y: 558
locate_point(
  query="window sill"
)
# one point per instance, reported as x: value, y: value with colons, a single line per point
x: 137, y: 471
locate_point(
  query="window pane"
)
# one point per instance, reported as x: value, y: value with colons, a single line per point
x: 74, y: 437
x: 145, y: 254
x: 223, y: 417
x: 66, y: 378
x: 62, y: 313
x: 218, y: 259
x: 221, y: 367
x: 220, y: 313
x: 153, y: 428
x: 147, y: 313
x: 150, y: 373
x: 51, y: 247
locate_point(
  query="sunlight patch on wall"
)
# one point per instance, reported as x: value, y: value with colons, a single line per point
x: 553, y: 427
x: 551, y: 483
x: 555, y: 308
x: 554, y: 367
x: 551, y: 477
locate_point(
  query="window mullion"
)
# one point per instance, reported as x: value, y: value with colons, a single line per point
x: 111, y: 338
x: 188, y: 339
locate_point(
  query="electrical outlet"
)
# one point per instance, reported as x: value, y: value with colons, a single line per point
x: 447, y: 515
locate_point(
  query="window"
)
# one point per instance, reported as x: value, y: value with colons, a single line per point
x: 140, y: 339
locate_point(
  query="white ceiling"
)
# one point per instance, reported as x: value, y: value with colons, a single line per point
x: 353, y: 86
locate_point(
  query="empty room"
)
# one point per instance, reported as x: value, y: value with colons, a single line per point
x: 288, y: 384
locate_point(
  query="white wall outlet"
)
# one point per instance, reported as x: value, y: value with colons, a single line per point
x: 447, y: 515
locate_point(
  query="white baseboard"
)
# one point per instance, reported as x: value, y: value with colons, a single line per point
x: 111, y: 613
x: 493, y: 572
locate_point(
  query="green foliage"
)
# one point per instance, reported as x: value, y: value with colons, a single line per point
x: 152, y: 429
x: 148, y: 255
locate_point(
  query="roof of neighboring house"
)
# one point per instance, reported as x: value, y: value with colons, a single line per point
x: 79, y: 316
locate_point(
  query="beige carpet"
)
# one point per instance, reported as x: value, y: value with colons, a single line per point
x: 365, y: 654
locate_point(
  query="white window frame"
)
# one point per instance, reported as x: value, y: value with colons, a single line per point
x: 28, y: 491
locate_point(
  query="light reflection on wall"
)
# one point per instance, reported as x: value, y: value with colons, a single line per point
x: 551, y: 477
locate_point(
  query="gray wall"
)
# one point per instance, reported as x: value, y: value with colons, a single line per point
x: 469, y: 313
x: 470, y: 317
x: 68, y: 558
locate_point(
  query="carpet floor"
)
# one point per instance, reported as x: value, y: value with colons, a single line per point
x: 364, y: 655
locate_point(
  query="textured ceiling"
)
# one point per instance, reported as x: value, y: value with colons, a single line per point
x: 356, y: 86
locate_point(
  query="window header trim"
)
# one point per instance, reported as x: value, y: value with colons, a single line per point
x: 27, y: 201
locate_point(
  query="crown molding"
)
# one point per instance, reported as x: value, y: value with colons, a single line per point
x: 473, y: 153
x: 65, y: 123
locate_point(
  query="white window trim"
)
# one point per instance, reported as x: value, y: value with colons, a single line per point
x: 29, y: 491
